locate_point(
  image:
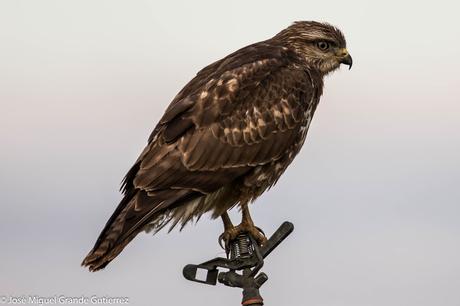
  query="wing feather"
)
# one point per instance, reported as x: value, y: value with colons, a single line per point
x: 236, y: 114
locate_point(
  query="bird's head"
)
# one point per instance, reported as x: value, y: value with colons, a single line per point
x: 320, y: 45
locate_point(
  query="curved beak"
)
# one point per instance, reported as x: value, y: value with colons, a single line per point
x: 347, y: 60
x: 344, y: 57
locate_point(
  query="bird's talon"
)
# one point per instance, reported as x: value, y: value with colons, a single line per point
x: 222, y: 240
x: 231, y: 234
x: 261, y: 231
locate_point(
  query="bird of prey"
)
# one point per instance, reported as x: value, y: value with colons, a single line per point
x: 226, y: 137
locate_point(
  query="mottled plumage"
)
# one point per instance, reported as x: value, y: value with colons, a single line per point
x: 227, y: 136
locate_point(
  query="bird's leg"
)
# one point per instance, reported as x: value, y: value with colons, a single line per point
x: 224, y: 238
x: 245, y: 227
x: 227, y: 222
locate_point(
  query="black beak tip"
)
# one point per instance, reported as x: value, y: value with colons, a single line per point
x: 347, y: 60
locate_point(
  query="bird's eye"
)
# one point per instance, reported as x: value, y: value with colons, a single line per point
x: 323, y: 45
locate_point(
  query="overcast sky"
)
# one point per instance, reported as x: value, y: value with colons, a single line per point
x: 374, y: 193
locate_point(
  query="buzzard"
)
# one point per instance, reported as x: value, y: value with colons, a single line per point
x: 226, y: 137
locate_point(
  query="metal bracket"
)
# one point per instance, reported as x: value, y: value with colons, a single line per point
x: 245, y: 256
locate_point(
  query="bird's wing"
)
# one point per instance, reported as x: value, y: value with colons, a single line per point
x: 245, y: 110
x: 242, y: 111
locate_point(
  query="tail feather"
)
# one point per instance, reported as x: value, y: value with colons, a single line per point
x: 136, y: 210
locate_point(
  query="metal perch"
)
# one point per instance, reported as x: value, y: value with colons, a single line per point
x: 246, y: 257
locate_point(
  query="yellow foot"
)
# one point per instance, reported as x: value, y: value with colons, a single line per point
x: 243, y: 228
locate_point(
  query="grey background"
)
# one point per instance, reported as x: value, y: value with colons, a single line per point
x: 374, y: 193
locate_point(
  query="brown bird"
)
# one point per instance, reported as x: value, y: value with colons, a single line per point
x: 226, y: 137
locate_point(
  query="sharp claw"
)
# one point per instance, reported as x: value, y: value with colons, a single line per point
x: 261, y: 231
x: 224, y: 244
x: 225, y: 238
x: 220, y: 243
x: 221, y: 238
